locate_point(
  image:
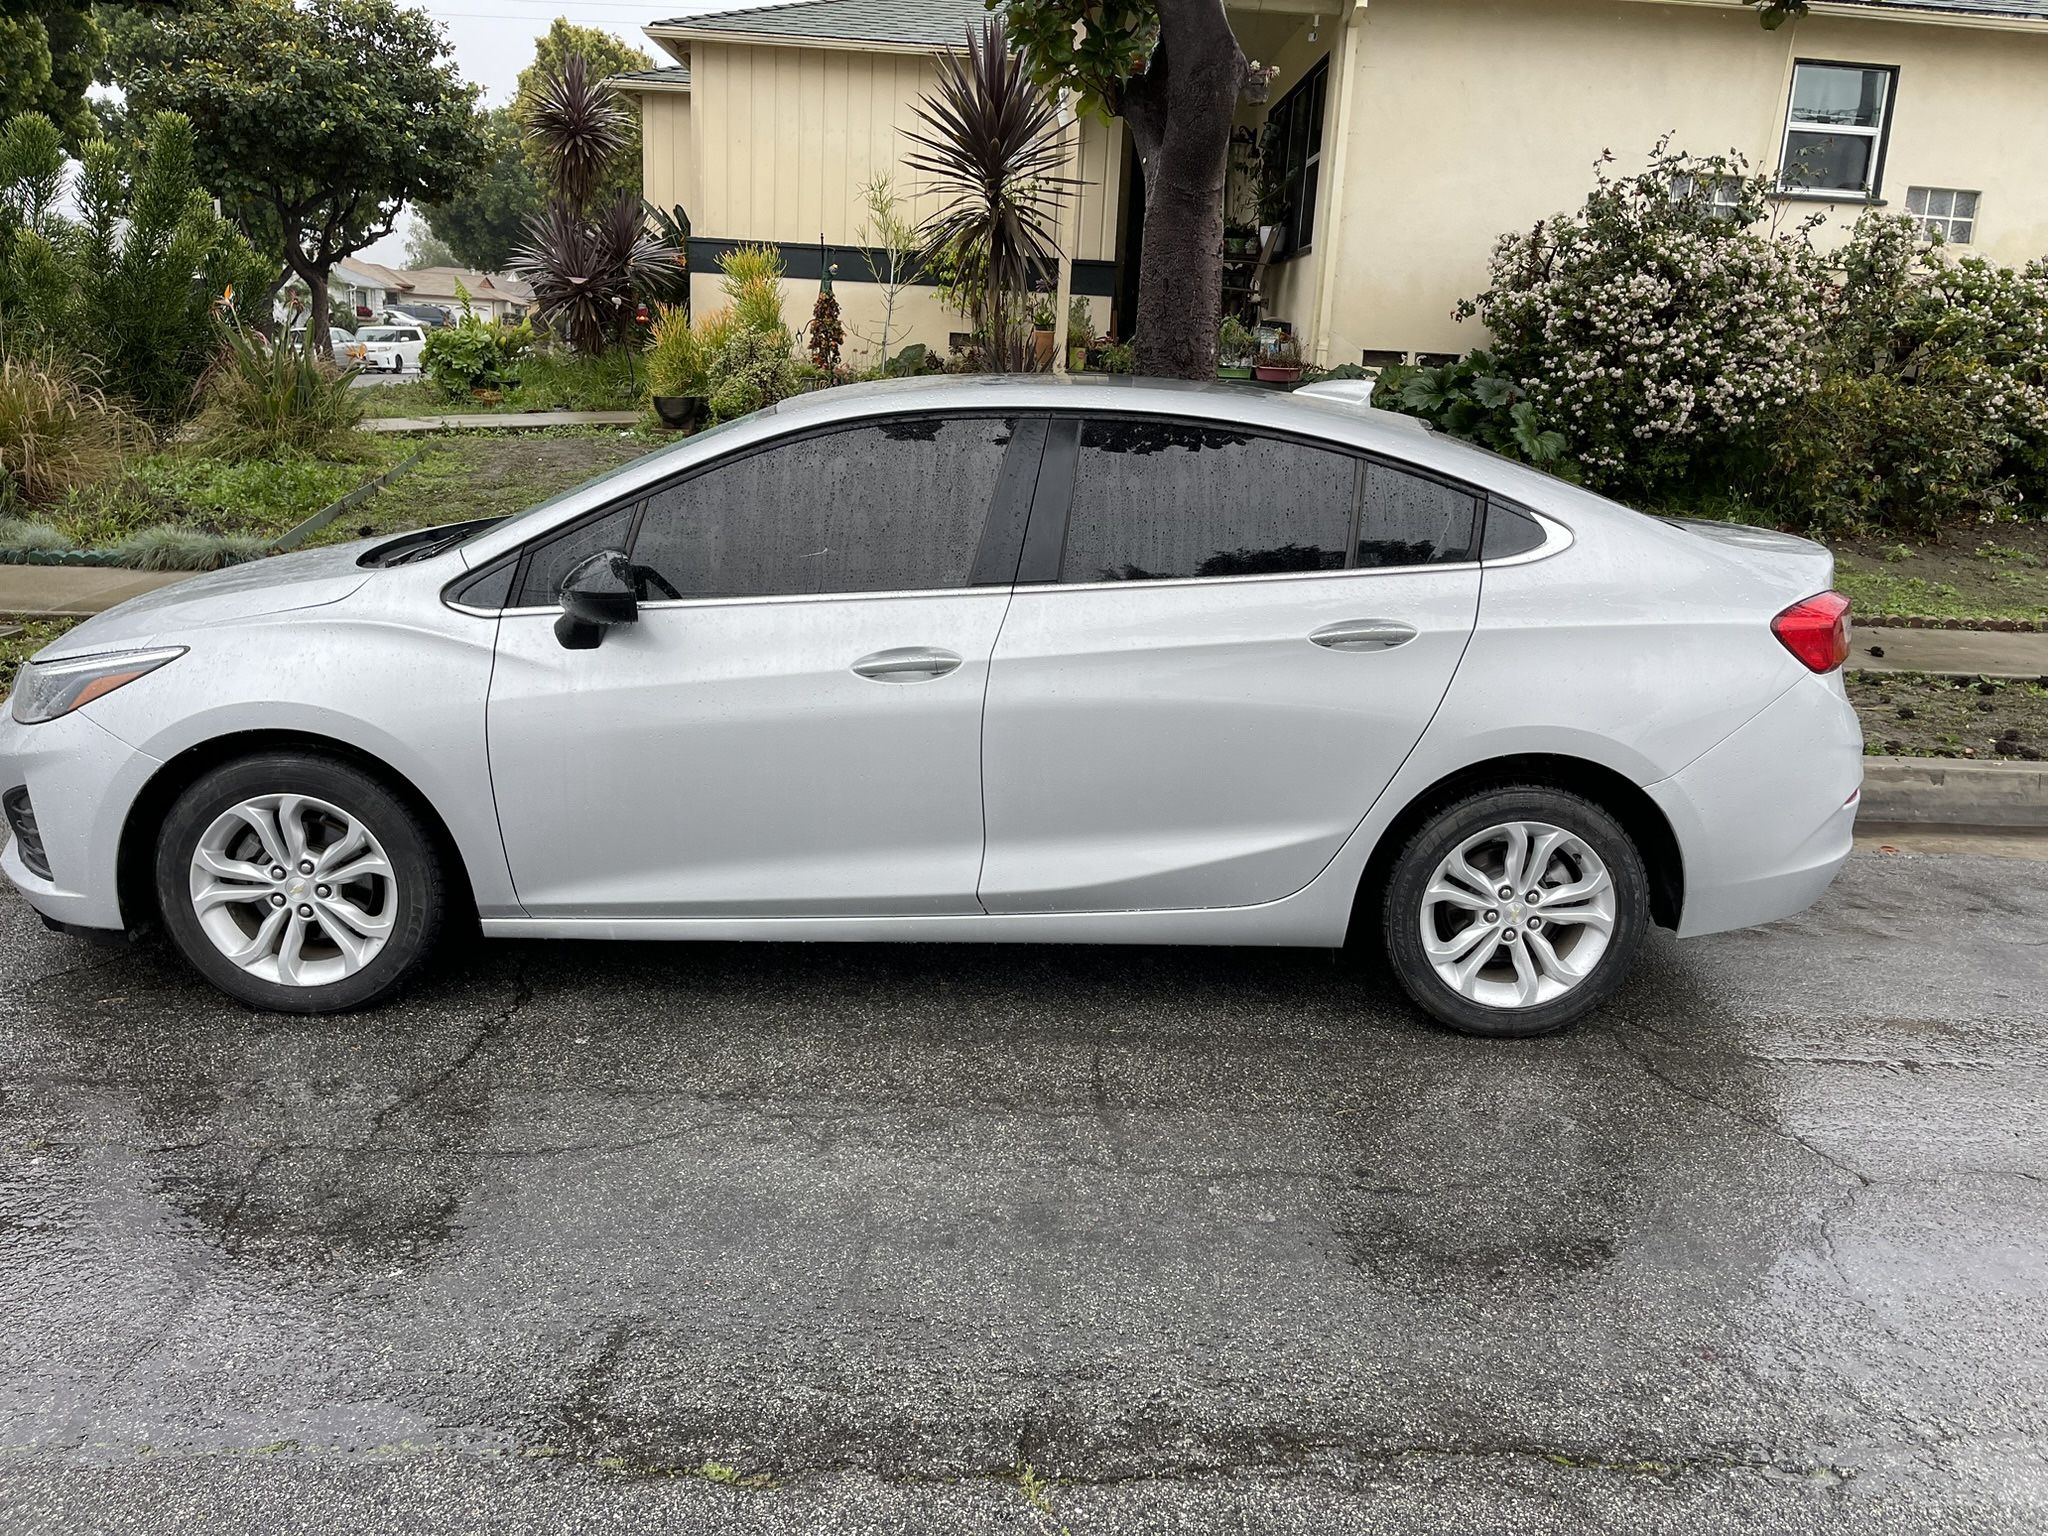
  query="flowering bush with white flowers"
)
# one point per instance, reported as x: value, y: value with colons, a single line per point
x: 1654, y: 328
x: 1933, y: 403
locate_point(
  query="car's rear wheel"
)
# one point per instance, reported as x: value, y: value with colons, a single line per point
x: 298, y: 883
x: 1515, y: 911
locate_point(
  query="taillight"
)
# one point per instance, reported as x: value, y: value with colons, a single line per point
x: 1816, y: 631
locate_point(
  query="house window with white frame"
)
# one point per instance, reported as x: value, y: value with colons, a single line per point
x: 1945, y: 211
x: 1835, y: 128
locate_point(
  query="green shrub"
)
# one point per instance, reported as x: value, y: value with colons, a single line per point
x: 1658, y: 335
x: 1473, y: 399
x: 753, y: 369
x: 753, y: 286
x: 261, y: 399
x: 20, y: 533
x: 474, y: 353
x: 57, y: 432
x: 170, y: 548
x: 1120, y: 357
x: 1933, y: 402
x: 683, y: 352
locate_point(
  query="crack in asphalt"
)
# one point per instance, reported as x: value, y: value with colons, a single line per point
x: 522, y: 994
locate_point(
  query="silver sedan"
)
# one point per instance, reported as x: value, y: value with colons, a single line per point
x: 1013, y: 659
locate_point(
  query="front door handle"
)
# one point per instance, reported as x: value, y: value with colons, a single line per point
x: 907, y: 664
x: 1363, y: 635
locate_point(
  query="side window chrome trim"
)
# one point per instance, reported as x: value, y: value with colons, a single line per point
x: 1345, y: 574
x: 663, y: 603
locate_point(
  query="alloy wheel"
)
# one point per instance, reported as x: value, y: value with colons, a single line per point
x: 294, y: 890
x: 1517, y: 915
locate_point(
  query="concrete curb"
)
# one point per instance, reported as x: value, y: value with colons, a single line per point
x: 1954, y: 792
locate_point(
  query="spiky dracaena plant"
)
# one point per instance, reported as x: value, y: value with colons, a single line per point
x: 994, y: 151
x: 579, y: 128
x: 586, y: 271
x: 587, y: 266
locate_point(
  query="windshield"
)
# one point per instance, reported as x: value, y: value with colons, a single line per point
x: 381, y: 333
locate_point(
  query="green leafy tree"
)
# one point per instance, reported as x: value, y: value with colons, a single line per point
x: 603, y: 56
x: 1173, y: 70
x: 424, y: 248
x: 487, y: 216
x: 48, y: 52
x: 133, y: 282
x: 318, y: 122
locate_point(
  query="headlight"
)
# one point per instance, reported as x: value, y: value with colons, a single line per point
x: 48, y: 689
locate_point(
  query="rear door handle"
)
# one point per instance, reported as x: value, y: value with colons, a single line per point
x: 1363, y: 635
x: 907, y: 664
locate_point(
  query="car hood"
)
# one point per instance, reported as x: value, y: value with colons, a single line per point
x: 309, y: 579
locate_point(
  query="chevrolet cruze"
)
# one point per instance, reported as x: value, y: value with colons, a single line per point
x: 1015, y: 659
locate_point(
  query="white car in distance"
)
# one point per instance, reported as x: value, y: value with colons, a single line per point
x: 996, y: 659
x: 391, y: 348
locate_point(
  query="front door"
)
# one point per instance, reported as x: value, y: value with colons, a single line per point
x: 1247, y: 637
x: 797, y: 730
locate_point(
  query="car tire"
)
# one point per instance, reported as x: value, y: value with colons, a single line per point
x: 388, y: 908
x: 1469, y: 966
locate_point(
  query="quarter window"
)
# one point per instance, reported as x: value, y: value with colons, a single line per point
x: 1943, y: 211
x: 1835, y: 128
x: 897, y: 506
x: 1158, y: 500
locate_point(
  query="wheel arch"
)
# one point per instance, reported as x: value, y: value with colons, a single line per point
x: 136, y: 855
x: 1622, y: 798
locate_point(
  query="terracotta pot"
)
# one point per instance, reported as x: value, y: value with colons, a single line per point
x: 487, y: 396
x: 1041, y: 347
x: 1277, y: 373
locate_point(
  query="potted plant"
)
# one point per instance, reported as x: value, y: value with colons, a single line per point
x: 1235, y: 348
x: 1240, y: 242
x: 1279, y: 358
x: 1273, y: 197
x: 1080, y: 331
x: 679, y: 358
x: 1042, y: 321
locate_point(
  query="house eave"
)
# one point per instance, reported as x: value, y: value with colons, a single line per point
x: 1904, y: 14
x: 666, y: 35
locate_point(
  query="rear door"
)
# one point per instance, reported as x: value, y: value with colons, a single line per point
x: 795, y: 729
x: 1214, y: 665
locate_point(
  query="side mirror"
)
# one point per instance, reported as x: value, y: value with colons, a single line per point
x: 596, y: 594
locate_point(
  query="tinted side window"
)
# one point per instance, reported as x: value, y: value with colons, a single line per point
x: 1155, y: 500
x: 893, y: 507
x: 548, y: 562
x: 1407, y: 520
x: 1509, y: 531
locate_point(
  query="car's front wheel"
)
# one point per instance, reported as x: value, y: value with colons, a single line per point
x: 298, y: 883
x: 1515, y: 911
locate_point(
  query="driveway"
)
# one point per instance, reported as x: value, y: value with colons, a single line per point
x: 715, y: 1238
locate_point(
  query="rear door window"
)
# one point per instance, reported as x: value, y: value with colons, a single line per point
x: 1409, y: 519
x: 1160, y: 500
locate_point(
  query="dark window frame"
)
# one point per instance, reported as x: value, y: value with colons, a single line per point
x: 1874, y: 193
x: 1016, y: 476
x: 1045, y: 542
x: 1300, y: 155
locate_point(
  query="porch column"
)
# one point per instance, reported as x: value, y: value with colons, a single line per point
x: 1337, y: 160
x: 1067, y: 230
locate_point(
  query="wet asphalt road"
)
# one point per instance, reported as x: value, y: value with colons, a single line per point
x: 1213, y: 1241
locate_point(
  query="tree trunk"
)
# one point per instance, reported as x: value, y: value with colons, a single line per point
x: 317, y: 323
x: 1179, y: 112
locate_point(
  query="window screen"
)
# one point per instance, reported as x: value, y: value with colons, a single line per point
x: 1407, y: 520
x: 896, y: 506
x: 1156, y: 500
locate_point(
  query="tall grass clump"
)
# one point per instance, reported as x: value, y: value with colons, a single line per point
x: 57, y: 431
x: 260, y: 399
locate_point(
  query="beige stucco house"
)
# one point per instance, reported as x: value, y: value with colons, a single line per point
x: 1417, y: 131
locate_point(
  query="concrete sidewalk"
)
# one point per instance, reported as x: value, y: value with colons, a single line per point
x: 50, y: 591
x: 501, y: 421
x: 1958, y: 652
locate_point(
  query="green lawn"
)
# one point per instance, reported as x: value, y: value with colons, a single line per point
x: 462, y: 475
x: 547, y: 382
x: 1997, y: 572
